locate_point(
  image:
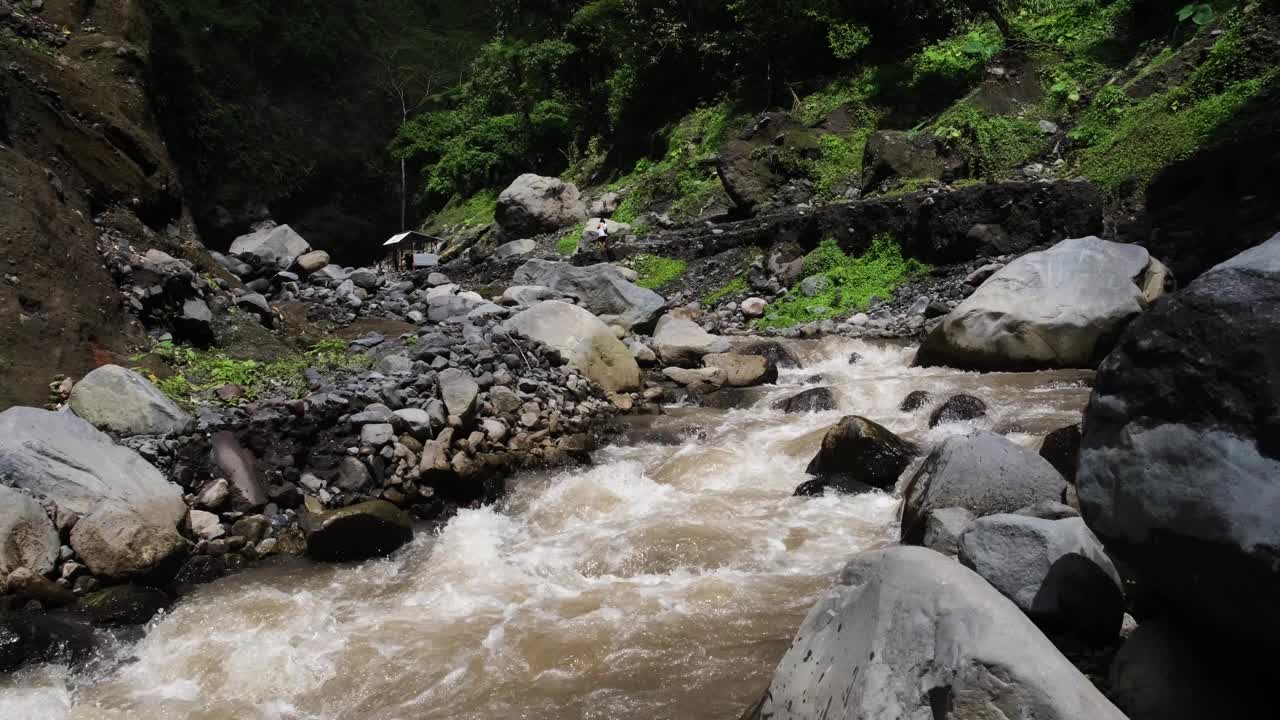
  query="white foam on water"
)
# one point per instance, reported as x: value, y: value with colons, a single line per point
x: 660, y: 582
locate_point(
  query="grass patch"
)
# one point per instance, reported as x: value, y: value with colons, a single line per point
x: 1128, y: 142
x: 199, y: 371
x: 475, y: 210
x: 733, y: 288
x: 656, y: 271
x: 853, y: 281
x: 993, y: 144
x: 568, y: 244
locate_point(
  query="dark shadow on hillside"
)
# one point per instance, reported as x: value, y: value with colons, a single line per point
x: 1220, y: 201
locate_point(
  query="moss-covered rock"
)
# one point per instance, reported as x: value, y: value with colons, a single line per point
x: 123, y: 605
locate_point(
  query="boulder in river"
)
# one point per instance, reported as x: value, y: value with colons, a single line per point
x: 122, y: 401
x: 684, y: 342
x: 534, y: 204
x: 1180, y: 460
x: 772, y: 350
x: 909, y: 633
x: 1055, y: 571
x: 815, y: 400
x: 857, y: 453
x: 983, y: 473
x: 958, y: 408
x: 369, y: 529
x: 28, y: 538
x: 1062, y: 307
x: 943, y: 529
x: 123, y: 605
x: 275, y: 247
x: 743, y: 370
x: 603, y: 289
x: 915, y: 400
x: 583, y: 339
x: 116, y: 542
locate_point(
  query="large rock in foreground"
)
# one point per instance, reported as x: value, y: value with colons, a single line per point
x: 603, y: 289
x: 122, y: 401
x: 983, y: 473
x: 857, y: 453
x: 58, y: 456
x: 370, y: 529
x: 908, y: 633
x: 276, y: 247
x: 684, y: 342
x: 583, y: 339
x: 1055, y: 571
x: 1062, y: 307
x: 534, y: 204
x: 1180, y: 460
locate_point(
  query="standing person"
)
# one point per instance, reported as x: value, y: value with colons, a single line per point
x: 602, y: 237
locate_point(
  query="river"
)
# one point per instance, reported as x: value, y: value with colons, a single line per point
x: 663, y: 582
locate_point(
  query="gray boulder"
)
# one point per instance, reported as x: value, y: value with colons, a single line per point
x: 526, y: 295
x: 276, y: 247
x: 909, y: 633
x: 1055, y: 571
x: 515, y: 248
x: 27, y: 536
x: 1179, y: 470
x: 534, y: 204
x: 365, y: 278
x: 331, y: 274
x: 683, y: 342
x: 60, y: 458
x: 943, y: 529
x: 586, y: 342
x: 1062, y: 307
x: 743, y: 370
x: 122, y: 401
x: 459, y: 392
x: 857, y: 453
x: 603, y: 289
x: 983, y: 473
x: 442, y: 308
x: 117, y: 542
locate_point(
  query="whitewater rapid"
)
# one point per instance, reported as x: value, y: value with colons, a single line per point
x: 665, y: 581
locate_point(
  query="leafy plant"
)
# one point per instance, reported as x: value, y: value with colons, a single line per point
x: 1199, y: 13
x: 656, y: 271
x: 852, y: 282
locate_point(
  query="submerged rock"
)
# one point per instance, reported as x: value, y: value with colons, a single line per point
x: 909, y: 633
x: 958, y: 408
x: 123, y: 605
x: 815, y: 400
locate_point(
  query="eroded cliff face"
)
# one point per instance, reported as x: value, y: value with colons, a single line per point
x: 81, y: 159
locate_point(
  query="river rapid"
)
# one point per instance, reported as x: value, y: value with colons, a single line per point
x: 665, y: 581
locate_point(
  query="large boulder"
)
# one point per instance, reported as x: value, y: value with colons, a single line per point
x: 983, y: 473
x: 857, y: 453
x: 61, y: 458
x: 115, y: 541
x: 814, y: 400
x: 122, y: 401
x: 684, y: 342
x: 603, y: 289
x: 534, y: 204
x: 1055, y: 571
x: 893, y: 154
x: 756, y: 164
x: 27, y: 536
x: 515, y: 248
x: 277, y: 247
x: 743, y: 370
x: 909, y: 633
x: 369, y: 529
x: 1063, y: 307
x: 1179, y: 466
x: 581, y: 338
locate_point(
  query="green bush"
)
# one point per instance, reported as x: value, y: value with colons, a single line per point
x: 958, y: 60
x: 993, y: 144
x: 568, y: 244
x: 656, y: 271
x: 853, y: 282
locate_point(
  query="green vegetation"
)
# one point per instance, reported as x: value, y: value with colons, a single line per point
x: 1129, y: 141
x: 852, y: 282
x: 568, y: 244
x: 199, y: 371
x: 656, y: 271
x: 734, y: 288
x: 959, y: 60
x: 993, y: 144
x: 475, y: 210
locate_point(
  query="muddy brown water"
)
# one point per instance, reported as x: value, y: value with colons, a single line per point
x: 664, y: 582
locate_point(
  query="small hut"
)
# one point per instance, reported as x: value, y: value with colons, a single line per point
x: 412, y: 250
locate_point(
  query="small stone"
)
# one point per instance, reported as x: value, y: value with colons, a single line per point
x: 205, y: 525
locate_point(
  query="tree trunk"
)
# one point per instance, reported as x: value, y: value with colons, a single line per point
x: 992, y: 10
